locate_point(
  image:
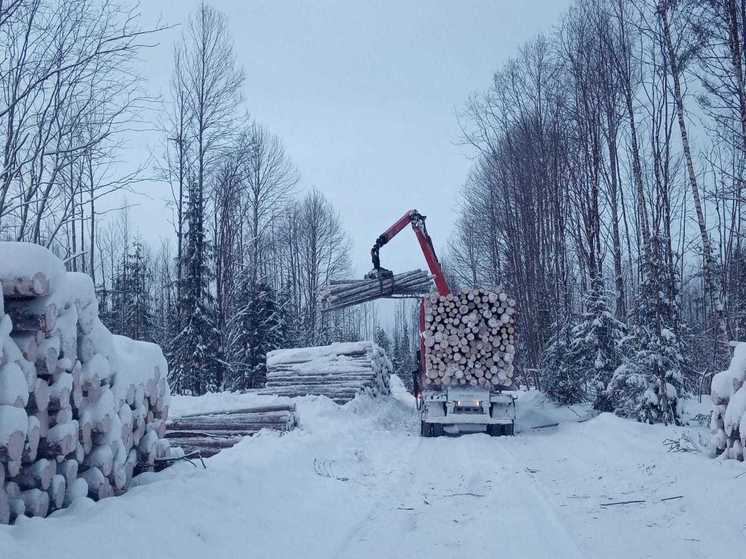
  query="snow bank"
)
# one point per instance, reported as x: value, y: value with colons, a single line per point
x: 81, y: 410
x: 728, y: 420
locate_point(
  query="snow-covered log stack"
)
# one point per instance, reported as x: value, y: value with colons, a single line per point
x: 206, y: 434
x: 339, y: 371
x: 728, y: 420
x: 81, y: 410
x: 469, y: 339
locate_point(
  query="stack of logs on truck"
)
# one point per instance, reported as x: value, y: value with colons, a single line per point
x: 81, y: 410
x: 469, y: 339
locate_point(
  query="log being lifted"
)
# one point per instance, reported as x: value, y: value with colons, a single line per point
x: 341, y: 294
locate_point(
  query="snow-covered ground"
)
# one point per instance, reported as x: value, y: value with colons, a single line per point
x: 358, y: 482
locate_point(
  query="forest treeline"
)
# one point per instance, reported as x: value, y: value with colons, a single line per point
x: 607, y: 195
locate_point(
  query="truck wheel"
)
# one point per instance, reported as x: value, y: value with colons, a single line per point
x: 494, y: 430
x: 437, y: 429
x: 425, y: 430
x: 499, y: 430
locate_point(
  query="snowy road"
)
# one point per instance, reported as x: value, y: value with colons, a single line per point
x: 358, y: 482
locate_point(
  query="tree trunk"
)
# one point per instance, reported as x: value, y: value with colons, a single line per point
x: 710, y: 272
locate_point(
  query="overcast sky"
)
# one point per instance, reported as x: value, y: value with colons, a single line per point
x: 364, y: 96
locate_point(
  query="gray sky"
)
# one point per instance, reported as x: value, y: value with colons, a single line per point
x: 364, y: 96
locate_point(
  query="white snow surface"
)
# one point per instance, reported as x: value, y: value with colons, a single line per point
x: 357, y: 481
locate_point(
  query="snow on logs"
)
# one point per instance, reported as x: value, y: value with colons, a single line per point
x: 469, y: 339
x: 339, y: 371
x: 728, y: 419
x: 81, y: 410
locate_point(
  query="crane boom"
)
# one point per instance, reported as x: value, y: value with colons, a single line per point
x: 417, y: 220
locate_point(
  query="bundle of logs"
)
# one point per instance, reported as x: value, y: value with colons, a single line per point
x: 339, y: 371
x: 344, y: 293
x: 81, y: 411
x: 469, y: 339
x: 208, y: 433
x: 728, y: 419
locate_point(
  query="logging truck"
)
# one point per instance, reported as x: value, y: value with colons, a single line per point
x: 466, y: 348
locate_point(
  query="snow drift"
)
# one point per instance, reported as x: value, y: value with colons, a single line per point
x: 81, y: 410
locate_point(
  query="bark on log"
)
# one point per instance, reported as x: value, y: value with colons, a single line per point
x: 57, y: 491
x: 254, y: 409
x: 28, y: 320
x: 233, y: 421
x: 36, y: 502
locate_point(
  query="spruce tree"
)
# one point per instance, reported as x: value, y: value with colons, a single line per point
x: 257, y: 328
x: 596, y: 349
x: 650, y: 381
x: 196, y: 353
x: 563, y: 383
x: 382, y: 340
x: 131, y: 309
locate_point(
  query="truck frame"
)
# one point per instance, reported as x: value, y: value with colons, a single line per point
x: 445, y: 409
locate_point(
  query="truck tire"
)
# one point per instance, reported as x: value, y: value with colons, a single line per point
x: 431, y: 429
x: 500, y: 430
x: 425, y: 430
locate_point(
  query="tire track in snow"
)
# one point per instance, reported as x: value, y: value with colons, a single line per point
x: 456, y: 496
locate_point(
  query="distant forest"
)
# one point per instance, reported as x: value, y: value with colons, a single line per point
x: 608, y: 194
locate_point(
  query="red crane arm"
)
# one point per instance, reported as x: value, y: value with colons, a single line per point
x: 417, y: 220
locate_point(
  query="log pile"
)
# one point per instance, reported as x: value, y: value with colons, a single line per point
x: 728, y: 419
x: 207, y: 434
x: 469, y: 339
x: 340, y: 294
x: 81, y: 410
x: 339, y: 371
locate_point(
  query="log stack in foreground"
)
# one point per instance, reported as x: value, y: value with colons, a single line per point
x: 340, y: 294
x: 81, y: 410
x: 339, y: 371
x: 469, y: 339
x: 207, y: 434
x: 728, y: 419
